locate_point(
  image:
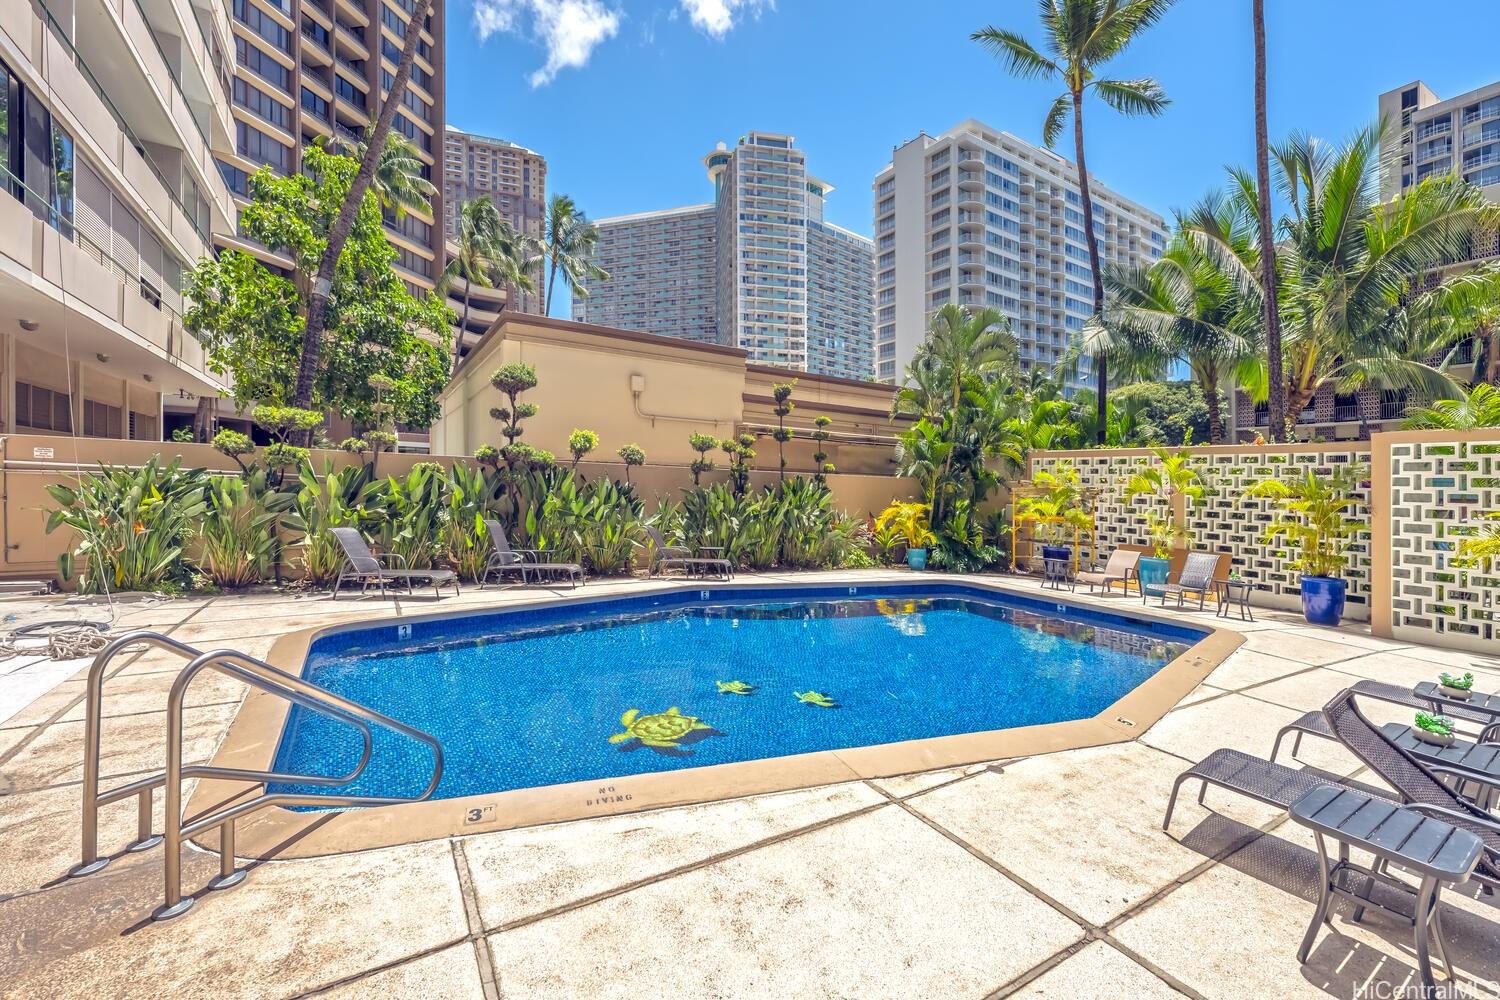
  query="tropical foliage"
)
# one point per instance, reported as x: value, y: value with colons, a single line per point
x: 251, y: 320
x: 1314, y: 516
x: 567, y: 248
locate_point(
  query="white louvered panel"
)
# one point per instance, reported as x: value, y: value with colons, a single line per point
x: 125, y: 232
x: 91, y: 216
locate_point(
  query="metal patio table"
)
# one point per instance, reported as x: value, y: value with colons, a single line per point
x: 1234, y: 594
x: 1439, y: 853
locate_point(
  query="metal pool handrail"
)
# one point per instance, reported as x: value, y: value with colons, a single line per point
x: 144, y: 787
x: 224, y: 819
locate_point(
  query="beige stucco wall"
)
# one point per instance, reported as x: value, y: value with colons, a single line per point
x: 655, y: 392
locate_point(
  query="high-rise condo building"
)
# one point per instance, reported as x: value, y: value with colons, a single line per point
x: 758, y: 268
x: 1426, y: 136
x: 514, y: 177
x: 307, y: 69
x: 111, y: 116
x: 979, y: 217
x: 661, y: 274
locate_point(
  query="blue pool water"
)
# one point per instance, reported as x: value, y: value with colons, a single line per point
x: 527, y: 698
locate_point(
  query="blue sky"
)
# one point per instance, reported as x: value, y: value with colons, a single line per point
x: 624, y: 97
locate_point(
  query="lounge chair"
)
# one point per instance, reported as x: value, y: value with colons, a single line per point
x: 1120, y: 568
x: 1316, y: 723
x: 1262, y: 780
x: 363, y: 566
x: 665, y: 557
x: 1197, y: 577
x: 1416, y: 782
x: 504, y: 559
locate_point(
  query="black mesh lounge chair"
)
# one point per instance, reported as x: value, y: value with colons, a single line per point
x: 363, y: 566
x: 1417, y: 783
x: 666, y: 557
x: 1316, y: 723
x: 1120, y: 568
x: 504, y: 559
x: 1197, y: 577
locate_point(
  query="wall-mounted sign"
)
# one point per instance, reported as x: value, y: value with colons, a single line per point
x: 41, y: 453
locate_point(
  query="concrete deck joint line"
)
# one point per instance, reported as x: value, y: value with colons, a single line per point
x: 488, y: 980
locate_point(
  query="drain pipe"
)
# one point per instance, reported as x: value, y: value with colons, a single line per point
x: 638, y: 386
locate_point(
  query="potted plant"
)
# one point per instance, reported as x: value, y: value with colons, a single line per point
x: 1315, y: 517
x: 1434, y: 729
x: 1166, y: 476
x: 908, y: 520
x: 1055, y: 511
x: 1460, y: 688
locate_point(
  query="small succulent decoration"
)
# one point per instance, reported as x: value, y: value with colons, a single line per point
x: 1437, y: 725
x: 815, y: 698
x: 663, y: 730
x: 735, y: 687
x: 1464, y: 683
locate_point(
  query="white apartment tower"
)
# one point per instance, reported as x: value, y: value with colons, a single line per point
x: 779, y: 281
x: 1427, y: 136
x: 111, y: 117
x: 661, y: 274
x: 979, y: 217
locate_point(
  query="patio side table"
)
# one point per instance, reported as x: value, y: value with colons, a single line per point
x: 1057, y: 572
x: 1234, y: 594
x: 1462, y: 760
x: 1436, y: 851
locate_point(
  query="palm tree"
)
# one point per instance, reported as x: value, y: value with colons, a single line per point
x: 1270, y: 307
x: 398, y: 184
x: 1081, y: 36
x: 567, y: 244
x: 490, y: 253
x: 1185, y: 306
x: 1347, y: 267
x: 338, y: 235
x: 961, y: 347
x: 1479, y: 408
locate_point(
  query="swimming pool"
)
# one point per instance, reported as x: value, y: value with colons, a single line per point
x: 608, y: 689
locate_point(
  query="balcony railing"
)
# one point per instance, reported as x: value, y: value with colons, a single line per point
x: 1346, y: 412
x: 192, y: 215
x: 1390, y: 409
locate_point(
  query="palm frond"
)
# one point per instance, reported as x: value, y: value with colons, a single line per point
x: 1015, y: 53
x: 1133, y: 97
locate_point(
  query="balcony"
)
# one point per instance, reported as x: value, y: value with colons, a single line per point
x: 970, y: 180
x: 166, y: 193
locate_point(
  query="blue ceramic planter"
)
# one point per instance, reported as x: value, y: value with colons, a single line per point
x: 1323, y: 599
x: 916, y: 558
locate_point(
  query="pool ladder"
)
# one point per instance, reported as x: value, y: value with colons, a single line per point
x: 261, y: 676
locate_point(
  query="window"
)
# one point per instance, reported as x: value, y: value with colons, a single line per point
x: 234, y: 178
x: 315, y: 105
x: 312, y: 29
x: 42, y: 409
x: 252, y: 18
x: 255, y: 145
x: 348, y: 92
x: 260, y: 104
x: 262, y: 65
x: 101, y: 419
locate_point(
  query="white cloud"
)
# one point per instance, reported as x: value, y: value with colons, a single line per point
x: 570, y: 29
x: 716, y: 17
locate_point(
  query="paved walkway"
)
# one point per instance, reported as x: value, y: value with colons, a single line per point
x: 1039, y: 877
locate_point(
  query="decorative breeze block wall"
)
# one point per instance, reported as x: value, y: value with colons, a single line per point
x: 1226, y: 520
x: 1439, y: 492
x: 1229, y: 521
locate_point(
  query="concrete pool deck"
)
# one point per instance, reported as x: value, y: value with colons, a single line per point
x: 1045, y: 875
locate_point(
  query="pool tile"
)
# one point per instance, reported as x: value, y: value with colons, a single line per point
x: 907, y: 913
